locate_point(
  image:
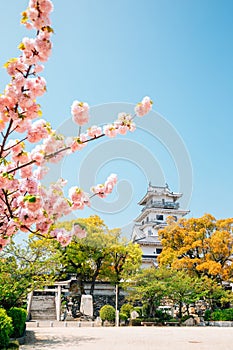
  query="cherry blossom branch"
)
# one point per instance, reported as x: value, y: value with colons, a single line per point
x: 17, y: 143
x: 7, y: 203
x: 21, y: 166
x: 5, y: 137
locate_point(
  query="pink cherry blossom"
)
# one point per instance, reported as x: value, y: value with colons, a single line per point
x: 63, y: 237
x: 38, y: 131
x: 78, y: 231
x: 143, y: 107
x: 79, y: 198
x: 44, y: 226
x: 102, y: 190
x: 33, y: 205
x: 122, y: 129
x: 40, y: 172
x: 110, y: 130
x: 15, y: 65
x: 36, y: 87
x: 26, y: 171
x: 38, y: 14
x: 80, y: 112
x: 25, y: 204
x: 3, y: 242
x: 29, y: 186
x: 77, y: 143
x: 94, y: 131
x: 37, y: 155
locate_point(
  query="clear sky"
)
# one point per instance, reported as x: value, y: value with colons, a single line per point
x: 180, y: 53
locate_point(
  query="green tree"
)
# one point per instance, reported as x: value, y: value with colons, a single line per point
x: 148, y: 288
x: 184, y: 290
x: 102, y: 254
x: 23, y: 269
x: 215, y: 294
x: 123, y: 262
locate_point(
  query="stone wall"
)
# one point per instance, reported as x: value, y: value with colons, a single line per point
x: 43, y: 303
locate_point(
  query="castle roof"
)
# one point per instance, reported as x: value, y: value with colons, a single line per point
x: 159, y: 191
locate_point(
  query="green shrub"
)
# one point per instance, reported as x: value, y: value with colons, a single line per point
x: 138, y: 309
x: 126, y: 309
x: 123, y: 317
x: 107, y: 313
x: 222, y: 315
x: 145, y: 310
x: 207, y: 315
x: 216, y: 315
x: 228, y: 313
x: 136, y: 322
x: 18, y: 316
x: 5, y: 328
x: 13, y: 345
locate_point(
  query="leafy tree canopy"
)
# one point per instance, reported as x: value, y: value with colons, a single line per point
x: 202, y: 246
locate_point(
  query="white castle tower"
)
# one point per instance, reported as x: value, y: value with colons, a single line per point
x: 158, y: 204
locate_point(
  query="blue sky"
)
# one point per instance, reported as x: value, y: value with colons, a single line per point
x: 180, y: 53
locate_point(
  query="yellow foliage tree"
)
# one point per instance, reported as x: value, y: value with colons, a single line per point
x: 202, y: 246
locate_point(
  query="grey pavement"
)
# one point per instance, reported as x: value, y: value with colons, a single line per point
x: 127, y: 338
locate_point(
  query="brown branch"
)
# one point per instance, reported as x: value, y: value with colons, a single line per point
x: 7, y: 203
x: 21, y: 166
x: 5, y: 137
x: 51, y: 155
x: 17, y: 143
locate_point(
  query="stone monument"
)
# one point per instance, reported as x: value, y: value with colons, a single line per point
x: 86, y: 306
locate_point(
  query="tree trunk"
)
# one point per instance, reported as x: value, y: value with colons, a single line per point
x: 81, y: 284
x: 95, y: 275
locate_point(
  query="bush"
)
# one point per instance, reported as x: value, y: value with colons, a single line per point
x: 126, y: 309
x: 207, y: 315
x: 138, y: 309
x: 5, y: 328
x: 107, y: 313
x: 136, y: 322
x: 123, y: 317
x: 13, y: 345
x: 216, y: 315
x: 145, y: 310
x: 18, y: 316
x: 222, y: 315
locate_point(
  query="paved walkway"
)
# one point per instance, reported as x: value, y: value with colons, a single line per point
x: 128, y: 338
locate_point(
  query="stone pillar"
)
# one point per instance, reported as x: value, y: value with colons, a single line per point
x: 116, y: 307
x: 58, y: 303
x: 86, y: 306
x: 29, y: 303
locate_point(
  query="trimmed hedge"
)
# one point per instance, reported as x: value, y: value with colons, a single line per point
x: 136, y: 322
x: 222, y: 315
x: 5, y: 329
x: 126, y: 309
x: 107, y: 313
x: 123, y: 317
x: 18, y: 316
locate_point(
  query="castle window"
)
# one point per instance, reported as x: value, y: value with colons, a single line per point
x: 159, y: 217
x: 158, y: 250
x: 143, y: 222
x: 150, y: 233
x: 147, y: 219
